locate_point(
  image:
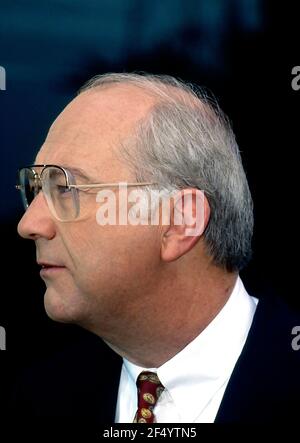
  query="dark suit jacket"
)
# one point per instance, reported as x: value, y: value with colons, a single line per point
x: 82, y: 383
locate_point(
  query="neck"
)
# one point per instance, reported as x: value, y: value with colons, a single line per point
x: 170, y: 318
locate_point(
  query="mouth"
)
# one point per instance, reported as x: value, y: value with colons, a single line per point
x: 49, y: 268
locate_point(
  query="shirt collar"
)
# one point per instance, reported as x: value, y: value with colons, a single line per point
x: 194, y: 375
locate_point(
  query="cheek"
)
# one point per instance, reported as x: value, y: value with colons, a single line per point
x: 114, y: 258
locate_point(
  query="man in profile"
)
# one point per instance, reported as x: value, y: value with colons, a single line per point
x: 183, y: 340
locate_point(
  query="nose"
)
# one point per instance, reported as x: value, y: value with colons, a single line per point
x: 37, y: 221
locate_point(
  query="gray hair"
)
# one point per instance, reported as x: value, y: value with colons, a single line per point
x: 187, y: 141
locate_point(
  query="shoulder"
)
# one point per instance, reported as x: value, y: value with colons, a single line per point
x: 265, y: 383
x: 273, y: 336
x: 275, y: 321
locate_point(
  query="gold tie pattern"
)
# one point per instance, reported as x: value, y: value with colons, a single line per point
x: 149, y: 390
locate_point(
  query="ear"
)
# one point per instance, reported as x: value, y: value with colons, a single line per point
x: 190, y: 214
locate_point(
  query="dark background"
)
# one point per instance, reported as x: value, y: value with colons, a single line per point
x: 242, y: 50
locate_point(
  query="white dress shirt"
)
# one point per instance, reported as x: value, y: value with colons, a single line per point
x: 195, y: 379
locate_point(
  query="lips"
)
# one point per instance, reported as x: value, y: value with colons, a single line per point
x: 46, y: 265
x: 50, y: 268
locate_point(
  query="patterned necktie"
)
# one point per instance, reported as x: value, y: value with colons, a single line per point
x: 149, y: 390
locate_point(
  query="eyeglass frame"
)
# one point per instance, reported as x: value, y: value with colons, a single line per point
x: 69, y: 186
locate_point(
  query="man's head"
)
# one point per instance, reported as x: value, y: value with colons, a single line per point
x: 133, y: 128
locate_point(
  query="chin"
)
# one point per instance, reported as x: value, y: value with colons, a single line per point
x: 62, y: 309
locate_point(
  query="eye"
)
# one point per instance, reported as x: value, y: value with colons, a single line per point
x: 63, y: 190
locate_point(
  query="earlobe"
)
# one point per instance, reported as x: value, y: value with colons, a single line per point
x: 176, y: 245
x: 189, y: 217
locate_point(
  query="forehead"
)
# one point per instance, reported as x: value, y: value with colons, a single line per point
x: 88, y: 133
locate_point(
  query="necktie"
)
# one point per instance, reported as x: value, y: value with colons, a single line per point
x: 149, y: 390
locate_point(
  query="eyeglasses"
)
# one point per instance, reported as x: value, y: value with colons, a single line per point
x: 59, y: 188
